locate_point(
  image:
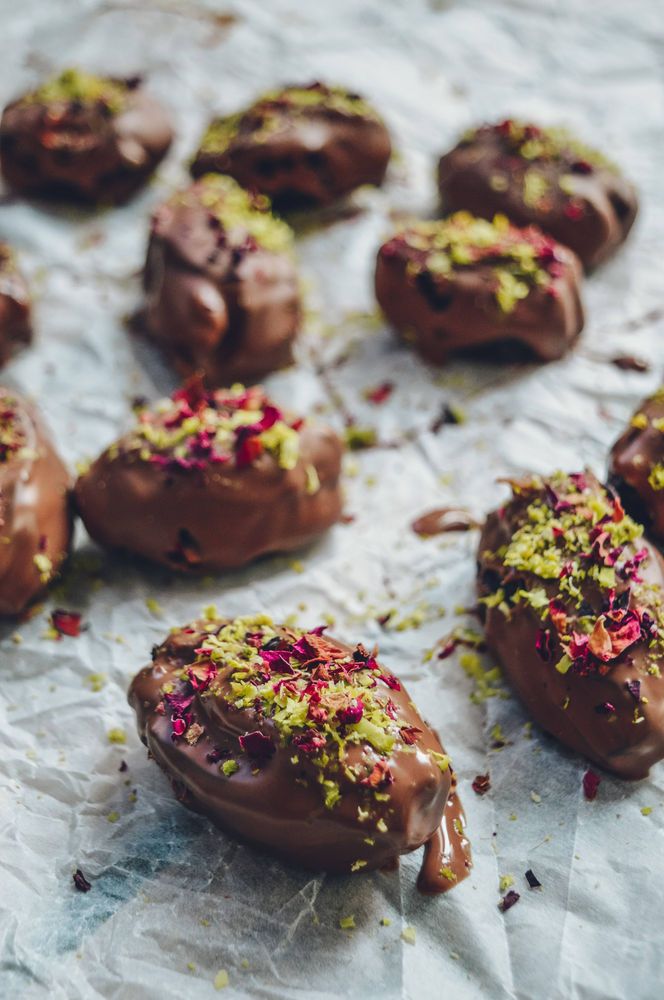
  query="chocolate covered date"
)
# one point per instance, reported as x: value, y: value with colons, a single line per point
x: 574, y: 611
x: 221, y: 287
x: 15, y: 307
x: 636, y: 467
x: 543, y: 176
x: 35, y: 520
x: 302, y: 746
x: 83, y: 137
x: 303, y: 146
x: 463, y: 284
x: 210, y: 480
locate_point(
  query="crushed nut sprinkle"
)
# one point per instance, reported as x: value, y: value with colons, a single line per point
x: 330, y: 708
x: 243, y: 220
x: 196, y: 428
x: 521, y: 259
x: 543, y: 145
x: 576, y: 560
x: 269, y: 113
x: 75, y: 86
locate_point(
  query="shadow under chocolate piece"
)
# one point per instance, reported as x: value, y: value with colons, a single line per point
x: 543, y: 176
x: 35, y: 518
x: 636, y: 465
x: 212, y: 480
x: 221, y: 286
x: 15, y: 306
x: 303, y: 746
x: 84, y: 138
x: 574, y: 612
x: 304, y: 146
x: 465, y: 284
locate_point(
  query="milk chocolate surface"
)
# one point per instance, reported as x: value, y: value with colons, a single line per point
x: 574, y: 612
x: 211, y: 480
x: 544, y: 176
x: 465, y: 284
x: 636, y: 467
x: 35, y: 521
x: 15, y: 308
x: 84, y: 138
x: 302, y: 746
x: 303, y: 146
x: 221, y: 286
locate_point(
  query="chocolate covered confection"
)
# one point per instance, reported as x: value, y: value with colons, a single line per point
x: 303, y: 146
x: 463, y: 284
x: 211, y: 480
x: 543, y: 176
x: 574, y: 612
x: 301, y: 745
x: 83, y: 137
x: 15, y: 324
x: 636, y: 467
x: 222, y: 293
x: 35, y: 520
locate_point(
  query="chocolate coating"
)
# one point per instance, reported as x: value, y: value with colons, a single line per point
x: 574, y: 612
x: 636, y: 466
x: 222, y: 292
x: 302, y: 146
x: 465, y: 284
x: 35, y: 520
x: 300, y: 745
x: 83, y: 138
x: 541, y: 176
x: 211, y: 481
x: 15, y: 324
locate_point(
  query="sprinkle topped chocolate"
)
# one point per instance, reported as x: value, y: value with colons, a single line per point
x: 544, y: 176
x: 636, y: 466
x: 303, y: 145
x: 196, y: 428
x: 15, y: 307
x: 266, y: 116
x: 520, y: 259
x: 12, y: 430
x: 246, y: 712
x: 575, y: 611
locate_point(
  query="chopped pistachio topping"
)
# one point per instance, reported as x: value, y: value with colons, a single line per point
x: 12, y: 431
x: 78, y: 86
x: 521, y: 259
x: 330, y: 709
x: 194, y: 429
x: 575, y: 558
x: 544, y: 145
x: 270, y: 112
x: 656, y: 476
x: 245, y: 219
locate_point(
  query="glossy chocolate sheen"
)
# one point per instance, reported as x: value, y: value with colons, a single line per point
x: 611, y: 712
x: 15, y: 307
x: 636, y: 465
x: 593, y: 216
x: 35, y: 519
x: 231, y: 312
x: 216, y: 516
x: 308, y: 157
x: 277, y: 802
x: 77, y: 150
x: 447, y: 315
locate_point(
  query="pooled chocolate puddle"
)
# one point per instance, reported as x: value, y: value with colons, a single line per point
x: 444, y: 520
x: 267, y: 786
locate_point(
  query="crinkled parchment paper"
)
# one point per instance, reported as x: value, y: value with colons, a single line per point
x: 173, y: 901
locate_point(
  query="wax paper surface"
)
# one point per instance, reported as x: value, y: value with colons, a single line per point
x: 173, y: 901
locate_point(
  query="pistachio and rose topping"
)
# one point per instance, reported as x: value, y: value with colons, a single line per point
x: 521, y: 259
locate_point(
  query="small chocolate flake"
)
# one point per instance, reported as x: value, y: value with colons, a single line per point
x: 533, y: 880
x: 628, y: 363
x: 481, y: 784
x: 123, y: 766
x: 509, y: 900
x: 80, y: 881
